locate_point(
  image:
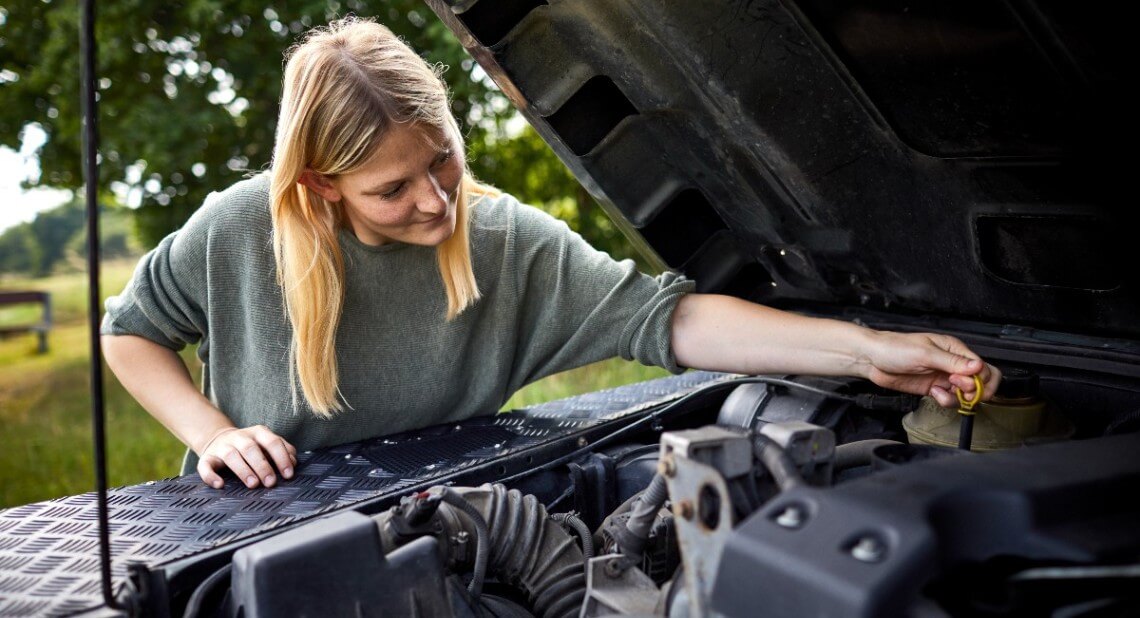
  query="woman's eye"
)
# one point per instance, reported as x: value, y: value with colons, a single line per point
x: 443, y: 157
x: 393, y: 193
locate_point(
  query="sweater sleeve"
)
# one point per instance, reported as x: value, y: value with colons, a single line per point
x: 581, y: 306
x: 165, y: 301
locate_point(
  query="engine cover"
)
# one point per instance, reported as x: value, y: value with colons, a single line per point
x: 876, y: 545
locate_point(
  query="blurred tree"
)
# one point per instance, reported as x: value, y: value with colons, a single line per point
x: 57, y: 237
x: 189, y: 90
x: 19, y: 251
x: 52, y: 229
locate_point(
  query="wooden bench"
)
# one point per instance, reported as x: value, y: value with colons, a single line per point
x: 40, y: 328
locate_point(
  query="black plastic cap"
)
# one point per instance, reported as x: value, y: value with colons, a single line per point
x: 1018, y: 383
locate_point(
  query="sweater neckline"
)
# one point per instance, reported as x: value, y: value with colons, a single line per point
x: 350, y: 241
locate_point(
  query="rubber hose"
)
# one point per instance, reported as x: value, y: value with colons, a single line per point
x: 641, y: 517
x: 194, y: 605
x: 777, y: 462
x: 855, y: 454
x: 581, y: 529
x: 531, y: 551
x: 482, y: 539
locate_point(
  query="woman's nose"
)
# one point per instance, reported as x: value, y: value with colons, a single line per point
x: 433, y: 199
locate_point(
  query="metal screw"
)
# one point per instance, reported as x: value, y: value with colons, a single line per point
x: 791, y: 517
x: 582, y: 442
x: 868, y: 549
x: 686, y: 509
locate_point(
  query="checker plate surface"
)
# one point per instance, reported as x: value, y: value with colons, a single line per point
x: 49, y: 550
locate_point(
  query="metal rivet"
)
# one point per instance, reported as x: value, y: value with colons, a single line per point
x: 868, y: 549
x: 791, y: 517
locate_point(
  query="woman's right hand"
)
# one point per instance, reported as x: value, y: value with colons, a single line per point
x: 249, y: 453
x: 156, y: 376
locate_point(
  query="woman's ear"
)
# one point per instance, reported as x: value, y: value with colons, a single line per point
x: 321, y: 185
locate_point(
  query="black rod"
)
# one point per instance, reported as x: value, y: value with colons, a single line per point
x: 87, y: 47
x: 966, y: 432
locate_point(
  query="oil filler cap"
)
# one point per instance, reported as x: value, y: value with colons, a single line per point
x: 1018, y: 383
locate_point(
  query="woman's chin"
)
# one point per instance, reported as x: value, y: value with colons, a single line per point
x: 438, y: 233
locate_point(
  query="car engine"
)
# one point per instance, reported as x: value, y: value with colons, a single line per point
x: 789, y: 497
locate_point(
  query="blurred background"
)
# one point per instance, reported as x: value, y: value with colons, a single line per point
x: 188, y: 97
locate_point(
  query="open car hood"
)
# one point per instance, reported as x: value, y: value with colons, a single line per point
x: 951, y: 159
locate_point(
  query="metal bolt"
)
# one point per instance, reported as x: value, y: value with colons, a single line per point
x: 685, y: 507
x: 462, y: 536
x: 582, y: 442
x: 613, y: 568
x: 868, y: 549
x: 791, y: 517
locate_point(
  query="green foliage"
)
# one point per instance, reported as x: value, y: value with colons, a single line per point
x: 19, y: 251
x: 189, y: 91
x: 57, y: 238
x: 34, y: 248
x: 52, y: 229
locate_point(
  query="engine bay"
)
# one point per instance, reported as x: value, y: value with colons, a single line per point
x: 696, y: 494
x: 773, y: 496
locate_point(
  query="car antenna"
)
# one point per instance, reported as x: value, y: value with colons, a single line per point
x: 87, y: 48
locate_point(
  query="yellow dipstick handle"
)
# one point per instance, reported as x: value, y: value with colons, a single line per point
x: 967, y: 407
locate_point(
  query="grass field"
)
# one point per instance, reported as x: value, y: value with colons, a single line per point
x: 45, y: 442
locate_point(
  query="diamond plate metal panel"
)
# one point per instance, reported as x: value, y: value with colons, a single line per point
x: 49, y: 550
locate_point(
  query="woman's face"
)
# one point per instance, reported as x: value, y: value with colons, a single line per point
x: 406, y: 193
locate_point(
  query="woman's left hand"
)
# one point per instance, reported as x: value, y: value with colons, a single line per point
x: 928, y: 364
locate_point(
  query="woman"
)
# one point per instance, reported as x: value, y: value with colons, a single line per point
x: 368, y: 285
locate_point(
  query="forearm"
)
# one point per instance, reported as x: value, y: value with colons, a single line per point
x: 158, y: 379
x: 722, y: 333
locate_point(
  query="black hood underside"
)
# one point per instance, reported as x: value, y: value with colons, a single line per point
x: 962, y: 159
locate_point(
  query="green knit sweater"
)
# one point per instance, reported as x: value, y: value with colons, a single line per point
x: 549, y: 302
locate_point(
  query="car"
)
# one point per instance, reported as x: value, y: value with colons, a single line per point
x: 914, y: 166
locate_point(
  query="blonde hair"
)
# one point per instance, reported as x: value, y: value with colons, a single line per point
x: 345, y: 86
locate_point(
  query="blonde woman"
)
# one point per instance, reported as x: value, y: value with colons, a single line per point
x: 368, y: 285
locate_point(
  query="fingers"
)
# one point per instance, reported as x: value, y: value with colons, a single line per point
x: 207, y: 470
x: 236, y: 461
x: 251, y: 454
x: 943, y: 397
x: 278, y: 449
x: 951, y: 356
x: 991, y: 379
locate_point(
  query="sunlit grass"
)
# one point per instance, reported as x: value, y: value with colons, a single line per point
x: 45, y: 444
x: 45, y: 403
x: 597, y: 376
